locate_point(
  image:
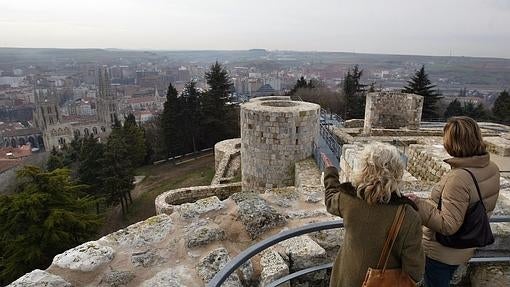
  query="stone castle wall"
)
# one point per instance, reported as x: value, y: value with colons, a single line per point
x: 274, y: 135
x: 392, y: 111
x: 425, y: 162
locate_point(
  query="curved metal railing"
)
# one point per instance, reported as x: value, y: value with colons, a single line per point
x: 253, y: 250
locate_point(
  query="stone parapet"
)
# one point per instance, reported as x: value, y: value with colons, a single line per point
x: 165, y: 202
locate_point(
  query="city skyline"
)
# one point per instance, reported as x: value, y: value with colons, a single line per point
x: 460, y: 28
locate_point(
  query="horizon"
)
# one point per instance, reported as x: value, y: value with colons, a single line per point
x: 251, y: 49
x: 469, y: 28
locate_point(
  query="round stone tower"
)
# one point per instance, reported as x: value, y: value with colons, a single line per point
x: 274, y: 135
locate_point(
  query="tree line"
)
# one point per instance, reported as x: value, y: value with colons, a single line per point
x: 195, y: 119
x: 62, y: 205
x: 349, y: 100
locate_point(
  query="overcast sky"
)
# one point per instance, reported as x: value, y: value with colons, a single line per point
x: 426, y: 27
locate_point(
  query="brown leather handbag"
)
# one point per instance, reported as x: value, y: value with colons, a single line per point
x: 391, y: 277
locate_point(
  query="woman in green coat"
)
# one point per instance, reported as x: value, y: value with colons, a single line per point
x: 368, y: 206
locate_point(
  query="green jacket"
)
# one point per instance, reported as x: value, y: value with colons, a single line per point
x: 366, y: 229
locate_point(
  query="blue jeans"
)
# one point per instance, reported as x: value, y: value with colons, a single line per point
x: 438, y: 274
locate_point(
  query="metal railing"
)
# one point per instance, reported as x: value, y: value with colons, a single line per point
x: 253, y: 250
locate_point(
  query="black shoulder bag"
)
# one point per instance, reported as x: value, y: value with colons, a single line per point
x: 475, y: 231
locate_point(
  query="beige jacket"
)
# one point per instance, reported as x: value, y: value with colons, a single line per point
x: 458, y: 193
x: 366, y: 229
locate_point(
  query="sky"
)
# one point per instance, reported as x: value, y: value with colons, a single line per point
x: 419, y: 27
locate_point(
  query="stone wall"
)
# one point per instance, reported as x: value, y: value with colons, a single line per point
x: 274, y: 135
x: 425, y: 162
x: 166, y: 201
x: 498, y: 145
x: 227, y: 161
x: 393, y: 111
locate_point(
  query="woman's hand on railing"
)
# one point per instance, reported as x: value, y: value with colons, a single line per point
x: 325, y: 159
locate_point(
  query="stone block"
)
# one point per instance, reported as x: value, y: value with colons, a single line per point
x: 256, y: 214
x: 86, y: 257
x: 151, y: 230
x: 213, y: 262
x: 303, y: 252
x: 38, y: 278
x: 203, y: 232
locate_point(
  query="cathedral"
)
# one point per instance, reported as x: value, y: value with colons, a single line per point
x: 59, y: 130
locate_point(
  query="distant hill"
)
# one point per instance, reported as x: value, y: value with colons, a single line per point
x: 473, y: 71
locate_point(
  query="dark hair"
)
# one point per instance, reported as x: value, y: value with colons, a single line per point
x: 463, y: 138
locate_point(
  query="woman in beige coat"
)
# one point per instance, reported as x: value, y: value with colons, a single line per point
x: 368, y: 207
x: 462, y: 140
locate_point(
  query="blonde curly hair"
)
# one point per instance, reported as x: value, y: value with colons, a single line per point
x: 380, y: 173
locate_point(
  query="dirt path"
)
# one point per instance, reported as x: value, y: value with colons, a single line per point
x: 194, y: 172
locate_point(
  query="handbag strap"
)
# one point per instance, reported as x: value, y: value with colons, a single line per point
x: 392, y: 236
x: 477, y: 190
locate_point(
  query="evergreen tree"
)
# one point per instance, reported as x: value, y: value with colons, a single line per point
x: 354, y: 94
x: 54, y: 162
x: 134, y: 137
x: 91, y: 164
x: 170, y: 124
x: 217, y: 123
x: 48, y: 215
x: 189, y: 117
x: 501, y: 108
x: 301, y: 84
x: 117, y: 174
x: 421, y: 85
x: 476, y: 112
x: 453, y: 109
x: 153, y: 134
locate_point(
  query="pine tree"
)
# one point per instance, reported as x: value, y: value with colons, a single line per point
x: 454, y: 109
x: 354, y: 94
x: 301, y: 83
x: 134, y: 137
x: 48, y: 215
x: 189, y: 117
x: 476, y: 112
x: 171, y: 132
x: 153, y: 134
x: 421, y: 85
x: 118, y: 173
x: 216, y: 113
x: 501, y: 108
x: 91, y: 164
x: 54, y: 162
